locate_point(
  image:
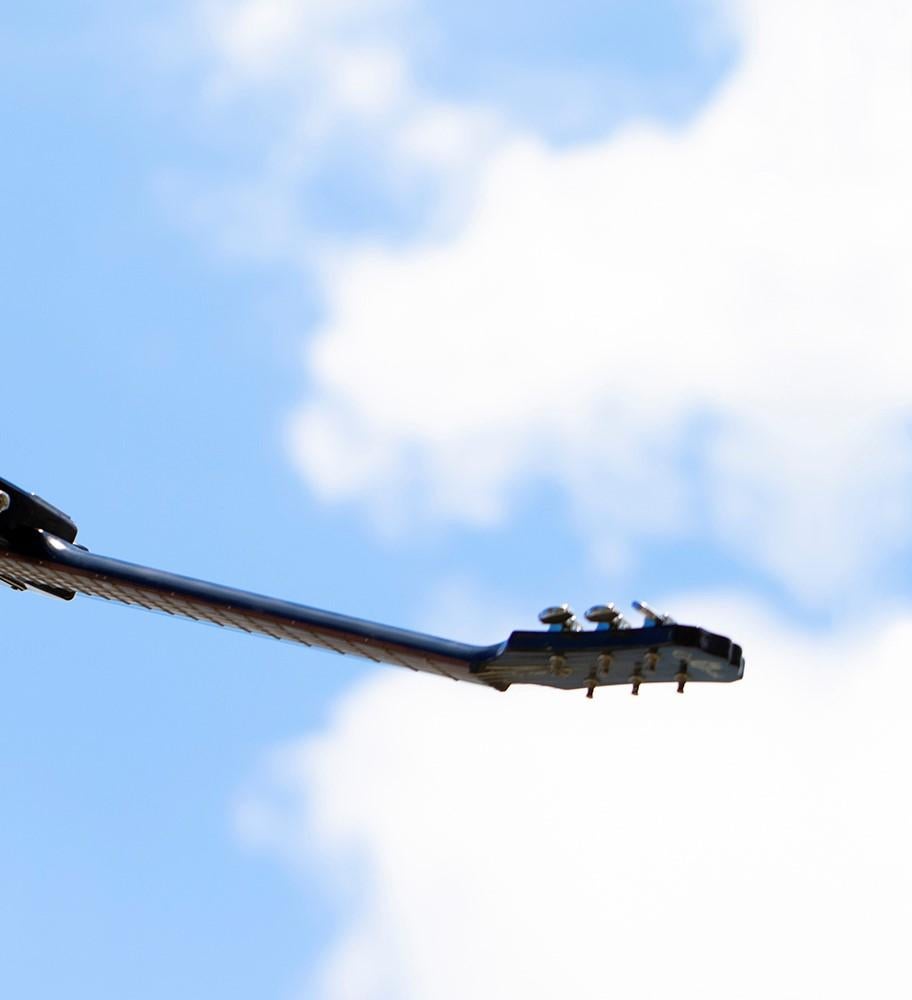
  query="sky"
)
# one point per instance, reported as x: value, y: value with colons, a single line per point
x: 436, y: 314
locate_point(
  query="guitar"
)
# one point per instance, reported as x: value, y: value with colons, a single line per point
x: 38, y: 551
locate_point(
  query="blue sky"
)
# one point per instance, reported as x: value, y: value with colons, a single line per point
x: 208, y: 241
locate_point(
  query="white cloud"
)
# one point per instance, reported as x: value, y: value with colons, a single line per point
x: 748, y: 840
x: 303, y: 85
x: 738, y: 288
x: 750, y: 273
x: 330, y: 50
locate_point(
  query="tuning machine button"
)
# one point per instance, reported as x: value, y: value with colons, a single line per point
x: 606, y: 616
x: 651, y: 617
x: 559, y: 618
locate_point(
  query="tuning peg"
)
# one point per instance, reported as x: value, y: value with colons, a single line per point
x: 559, y: 618
x: 651, y: 617
x: 4, y: 501
x: 557, y: 664
x: 681, y: 676
x: 606, y: 616
x: 593, y: 684
x: 636, y: 679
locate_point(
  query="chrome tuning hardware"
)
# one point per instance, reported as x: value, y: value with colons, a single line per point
x: 601, y: 669
x: 558, y: 665
x: 592, y: 684
x: 606, y: 616
x: 4, y: 501
x: 681, y: 677
x: 560, y: 618
x: 651, y: 617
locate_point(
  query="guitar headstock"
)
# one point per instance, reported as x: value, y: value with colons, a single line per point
x: 614, y: 652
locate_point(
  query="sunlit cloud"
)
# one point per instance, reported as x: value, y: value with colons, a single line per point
x: 695, y: 332
x: 302, y: 87
x: 743, y: 840
x: 739, y: 288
